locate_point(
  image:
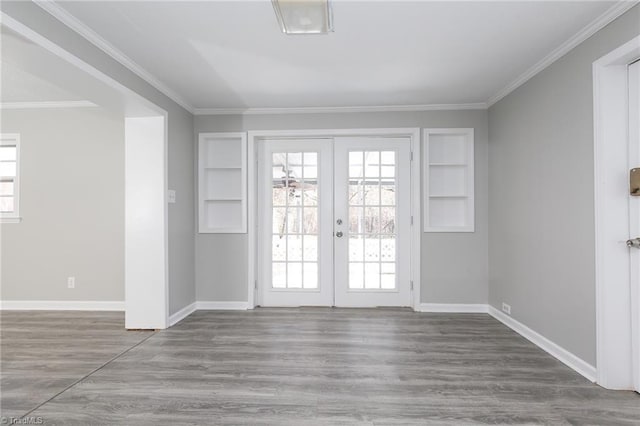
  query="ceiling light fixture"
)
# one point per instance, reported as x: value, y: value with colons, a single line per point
x: 304, y: 16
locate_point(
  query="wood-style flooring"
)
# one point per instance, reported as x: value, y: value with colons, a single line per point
x: 308, y: 366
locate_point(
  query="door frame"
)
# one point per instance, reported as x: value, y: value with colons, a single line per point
x: 256, y: 136
x: 612, y: 275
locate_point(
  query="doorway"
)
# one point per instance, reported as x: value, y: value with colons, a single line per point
x: 335, y: 221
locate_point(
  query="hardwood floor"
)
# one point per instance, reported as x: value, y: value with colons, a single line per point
x: 308, y: 366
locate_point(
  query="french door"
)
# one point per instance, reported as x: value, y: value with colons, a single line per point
x: 334, y: 219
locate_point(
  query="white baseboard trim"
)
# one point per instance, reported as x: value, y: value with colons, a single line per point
x: 223, y: 306
x: 60, y: 305
x: 477, y: 308
x: 182, y: 314
x: 580, y: 366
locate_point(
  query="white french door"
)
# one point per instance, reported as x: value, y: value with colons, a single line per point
x: 295, y: 209
x: 334, y: 222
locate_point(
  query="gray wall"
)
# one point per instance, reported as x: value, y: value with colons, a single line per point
x: 72, y: 207
x: 454, y: 265
x: 541, y: 243
x: 180, y: 140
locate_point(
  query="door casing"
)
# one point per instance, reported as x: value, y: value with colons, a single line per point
x: 611, y: 205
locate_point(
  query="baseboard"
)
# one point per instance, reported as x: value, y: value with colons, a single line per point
x: 223, y: 306
x: 577, y: 364
x: 477, y: 308
x: 60, y: 305
x: 182, y: 314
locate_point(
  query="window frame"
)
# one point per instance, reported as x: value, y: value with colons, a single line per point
x: 13, y: 139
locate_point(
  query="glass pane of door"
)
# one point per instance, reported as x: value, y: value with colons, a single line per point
x: 372, y: 217
x: 294, y: 204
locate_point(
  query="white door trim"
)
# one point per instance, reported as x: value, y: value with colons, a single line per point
x: 613, y: 314
x: 254, y: 138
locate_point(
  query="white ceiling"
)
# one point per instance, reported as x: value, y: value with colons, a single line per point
x: 383, y: 53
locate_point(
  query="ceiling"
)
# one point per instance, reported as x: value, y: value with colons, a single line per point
x: 21, y: 81
x: 232, y: 55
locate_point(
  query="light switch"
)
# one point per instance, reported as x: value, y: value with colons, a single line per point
x: 172, y: 196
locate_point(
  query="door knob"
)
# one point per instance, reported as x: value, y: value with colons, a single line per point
x: 339, y: 234
x: 634, y: 242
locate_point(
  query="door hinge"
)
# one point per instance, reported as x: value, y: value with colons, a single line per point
x: 411, y: 155
x: 411, y: 220
x: 412, y: 285
x: 255, y: 284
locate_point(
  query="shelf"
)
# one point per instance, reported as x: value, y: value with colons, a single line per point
x: 222, y: 182
x: 224, y: 168
x: 448, y: 180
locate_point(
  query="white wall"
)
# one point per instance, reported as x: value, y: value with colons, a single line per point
x: 72, y: 207
x: 541, y: 166
x: 454, y: 266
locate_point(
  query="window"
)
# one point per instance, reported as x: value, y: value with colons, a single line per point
x: 9, y: 177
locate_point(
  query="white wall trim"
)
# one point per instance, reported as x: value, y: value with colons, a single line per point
x: 611, y: 205
x: 342, y: 109
x: 182, y: 314
x: 577, y: 364
x: 47, y: 104
x: 60, y: 305
x: 416, y: 214
x: 596, y: 25
x: 83, y: 30
x: 222, y: 306
x: 477, y: 308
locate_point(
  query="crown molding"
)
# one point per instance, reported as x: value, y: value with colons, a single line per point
x: 47, y: 104
x: 345, y: 109
x: 83, y: 30
x: 603, y: 20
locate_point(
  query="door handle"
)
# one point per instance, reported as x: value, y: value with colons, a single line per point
x: 339, y: 234
x: 634, y: 242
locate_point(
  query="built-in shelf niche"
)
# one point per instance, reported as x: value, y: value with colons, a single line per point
x: 222, y: 183
x: 448, y: 180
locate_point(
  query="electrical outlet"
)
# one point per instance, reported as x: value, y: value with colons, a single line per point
x: 172, y: 196
x: 506, y: 308
x: 71, y: 282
